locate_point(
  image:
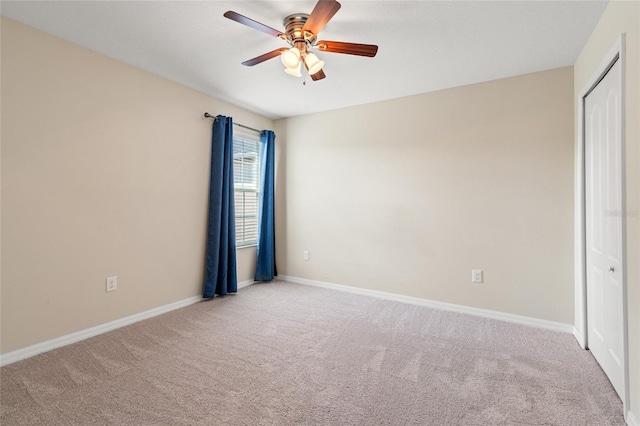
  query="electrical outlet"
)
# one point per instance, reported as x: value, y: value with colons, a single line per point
x: 476, y: 275
x: 112, y: 284
x: 305, y: 255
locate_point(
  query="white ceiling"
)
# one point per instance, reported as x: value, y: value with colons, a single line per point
x: 423, y: 45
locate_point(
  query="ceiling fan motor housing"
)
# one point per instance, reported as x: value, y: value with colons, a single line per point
x: 293, y: 27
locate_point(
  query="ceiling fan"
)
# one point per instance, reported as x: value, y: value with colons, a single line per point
x: 301, y: 33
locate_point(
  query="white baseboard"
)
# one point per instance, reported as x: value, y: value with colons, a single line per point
x: 517, y: 319
x: 632, y: 420
x: 246, y: 283
x: 580, y: 338
x: 58, y: 342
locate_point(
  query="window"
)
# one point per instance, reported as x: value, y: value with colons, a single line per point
x: 246, y: 180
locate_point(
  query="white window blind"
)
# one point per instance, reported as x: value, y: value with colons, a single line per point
x: 246, y: 179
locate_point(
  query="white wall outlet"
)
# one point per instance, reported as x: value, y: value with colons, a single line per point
x: 305, y: 255
x: 112, y: 284
x: 476, y: 275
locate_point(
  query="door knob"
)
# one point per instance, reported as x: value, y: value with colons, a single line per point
x: 611, y: 269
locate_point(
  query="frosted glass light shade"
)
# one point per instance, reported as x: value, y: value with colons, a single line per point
x: 290, y: 58
x: 313, y: 63
x: 294, y: 71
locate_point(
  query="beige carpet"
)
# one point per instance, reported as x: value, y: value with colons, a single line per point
x: 286, y: 354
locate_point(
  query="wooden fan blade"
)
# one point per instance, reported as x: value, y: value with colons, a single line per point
x: 262, y: 58
x: 318, y: 76
x: 368, y: 50
x: 234, y: 16
x: 320, y: 15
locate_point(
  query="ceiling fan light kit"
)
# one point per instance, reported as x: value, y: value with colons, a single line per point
x: 313, y: 63
x: 301, y: 32
x: 291, y: 58
x: 294, y: 71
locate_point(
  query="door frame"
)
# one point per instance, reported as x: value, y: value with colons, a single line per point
x: 616, y: 53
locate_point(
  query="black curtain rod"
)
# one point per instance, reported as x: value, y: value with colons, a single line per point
x: 207, y: 115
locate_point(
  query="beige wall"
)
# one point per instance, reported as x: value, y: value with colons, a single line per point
x: 409, y: 195
x: 623, y: 17
x: 104, y: 172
